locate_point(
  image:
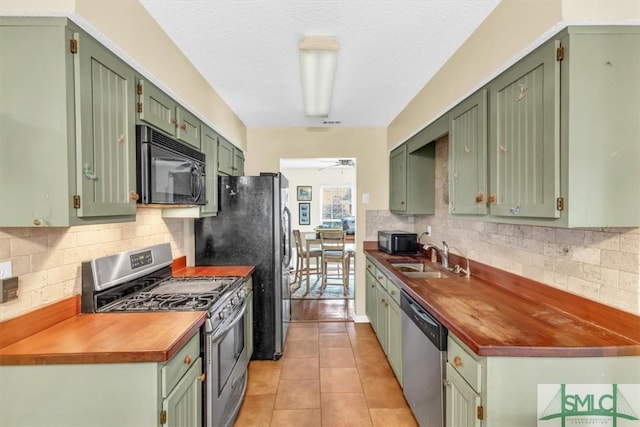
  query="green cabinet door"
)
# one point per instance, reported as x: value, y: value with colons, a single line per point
x: 105, y: 98
x: 183, y: 406
x: 230, y: 158
x: 188, y: 128
x: 398, y: 179
x: 468, y: 156
x: 394, y: 352
x: 225, y: 157
x: 371, y: 306
x: 156, y: 108
x: 524, y: 137
x: 382, y: 320
x: 210, y: 150
x: 461, y: 401
x: 159, y: 110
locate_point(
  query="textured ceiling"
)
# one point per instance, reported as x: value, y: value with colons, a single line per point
x: 248, y: 51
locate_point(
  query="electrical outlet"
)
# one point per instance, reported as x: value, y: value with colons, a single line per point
x: 6, y: 269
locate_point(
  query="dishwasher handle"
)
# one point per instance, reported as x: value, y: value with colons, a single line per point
x: 423, y: 320
x: 423, y: 315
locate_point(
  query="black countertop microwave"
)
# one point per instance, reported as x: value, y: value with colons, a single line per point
x: 397, y: 242
x: 168, y: 171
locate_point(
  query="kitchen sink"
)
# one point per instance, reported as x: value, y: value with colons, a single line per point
x: 417, y: 270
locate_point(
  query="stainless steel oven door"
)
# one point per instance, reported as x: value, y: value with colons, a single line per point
x: 226, y: 364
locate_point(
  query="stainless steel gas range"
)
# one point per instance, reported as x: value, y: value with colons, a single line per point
x: 141, y: 281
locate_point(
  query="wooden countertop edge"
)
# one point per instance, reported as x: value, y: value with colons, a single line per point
x: 29, y: 324
x: 509, y: 350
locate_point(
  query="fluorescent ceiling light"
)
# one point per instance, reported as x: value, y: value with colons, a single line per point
x: 318, y: 60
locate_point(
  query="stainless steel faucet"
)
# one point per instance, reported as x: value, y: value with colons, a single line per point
x: 444, y: 252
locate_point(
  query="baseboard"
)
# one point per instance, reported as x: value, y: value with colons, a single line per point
x: 361, y: 318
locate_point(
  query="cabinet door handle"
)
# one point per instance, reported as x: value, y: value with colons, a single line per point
x: 457, y: 361
x: 174, y: 121
x: 479, y: 197
x: 183, y: 127
x: 492, y: 198
x: 134, y: 196
x: 187, y: 360
x: 402, y: 202
x: 202, y: 377
x: 393, y: 292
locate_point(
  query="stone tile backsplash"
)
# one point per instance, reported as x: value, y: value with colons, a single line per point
x: 47, y: 260
x: 600, y: 264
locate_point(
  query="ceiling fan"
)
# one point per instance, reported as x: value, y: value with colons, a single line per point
x: 349, y: 163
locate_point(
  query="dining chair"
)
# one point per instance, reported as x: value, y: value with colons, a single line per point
x: 304, y: 256
x: 333, y: 252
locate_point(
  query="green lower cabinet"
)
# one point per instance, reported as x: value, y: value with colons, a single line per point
x: 69, y: 111
x: 504, y: 391
x: 382, y: 320
x: 383, y: 310
x: 105, y: 394
x: 371, y: 306
x: 462, y: 402
x: 183, y: 406
x: 394, y: 352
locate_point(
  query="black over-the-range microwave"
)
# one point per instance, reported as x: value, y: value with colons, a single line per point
x: 397, y: 242
x: 168, y: 171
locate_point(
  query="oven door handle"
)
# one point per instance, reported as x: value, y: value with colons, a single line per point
x: 231, y: 324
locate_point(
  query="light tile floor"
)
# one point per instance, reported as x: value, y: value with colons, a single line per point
x: 332, y: 374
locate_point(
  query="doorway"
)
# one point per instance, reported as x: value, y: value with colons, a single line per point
x: 322, y: 196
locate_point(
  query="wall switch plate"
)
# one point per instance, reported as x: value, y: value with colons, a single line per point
x: 428, y: 232
x: 8, y: 289
x: 6, y: 269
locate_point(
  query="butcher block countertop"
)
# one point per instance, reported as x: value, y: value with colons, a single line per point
x: 66, y: 336
x: 497, y: 313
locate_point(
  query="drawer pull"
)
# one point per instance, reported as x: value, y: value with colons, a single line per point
x: 457, y: 361
x: 393, y: 292
x: 202, y: 377
x: 187, y: 360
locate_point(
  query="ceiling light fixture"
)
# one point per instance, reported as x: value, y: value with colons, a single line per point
x: 318, y: 60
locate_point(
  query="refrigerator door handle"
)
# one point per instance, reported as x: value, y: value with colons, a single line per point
x: 287, y: 234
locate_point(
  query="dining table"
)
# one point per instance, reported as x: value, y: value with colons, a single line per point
x: 315, y: 244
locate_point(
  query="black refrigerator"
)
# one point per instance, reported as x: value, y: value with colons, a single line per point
x: 253, y: 227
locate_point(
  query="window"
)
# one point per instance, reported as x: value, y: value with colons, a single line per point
x: 336, y: 203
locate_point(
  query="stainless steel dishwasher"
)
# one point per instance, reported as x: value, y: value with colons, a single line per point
x: 424, y: 355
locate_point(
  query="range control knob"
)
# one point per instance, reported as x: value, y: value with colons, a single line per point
x: 224, y: 313
x: 242, y: 293
x: 235, y: 301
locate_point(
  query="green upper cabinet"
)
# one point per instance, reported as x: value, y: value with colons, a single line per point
x: 564, y: 149
x: 105, y: 99
x: 67, y: 127
x: 398, y: 179
x: 412, y: 173
x: 524, y: 142
x: 468, y: 156
x: 159, y: 110
x: 600, y: 126
x: 230, y: 158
